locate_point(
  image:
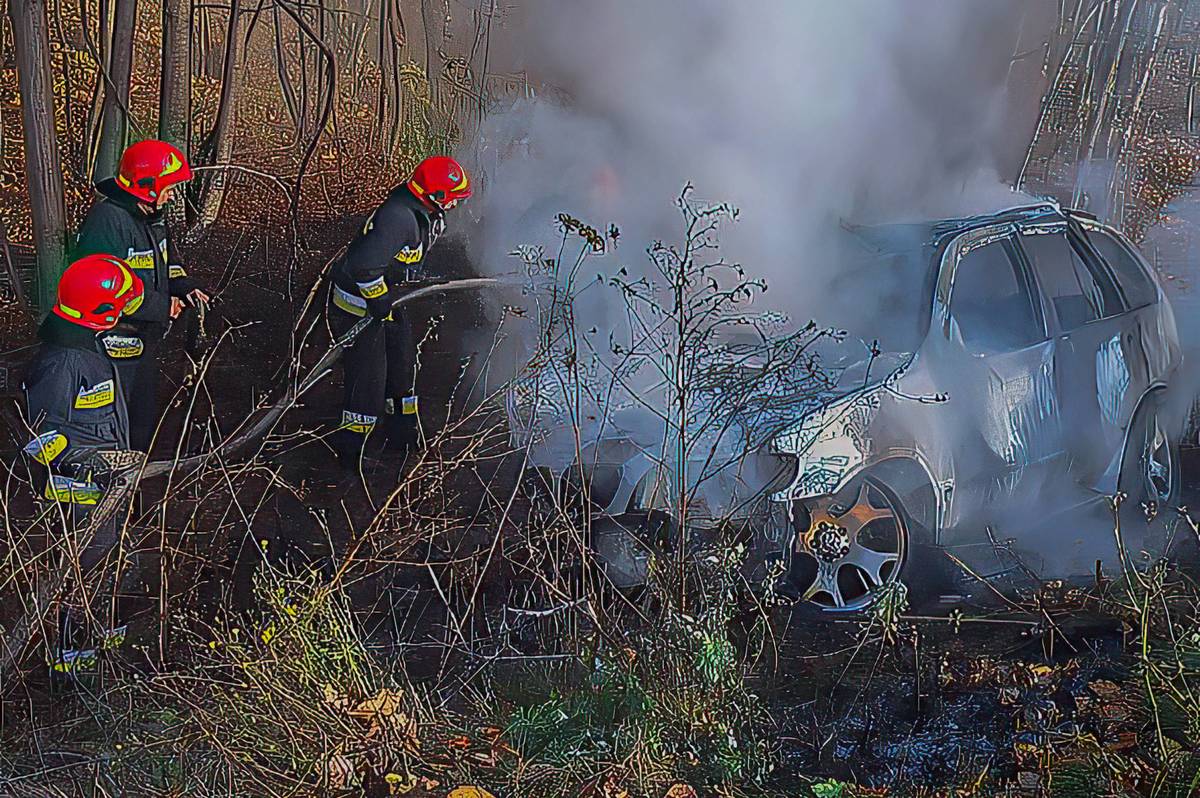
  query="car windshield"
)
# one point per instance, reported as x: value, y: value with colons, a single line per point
x: 884, y: 285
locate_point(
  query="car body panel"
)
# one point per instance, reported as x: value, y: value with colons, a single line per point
x: 999, y: 435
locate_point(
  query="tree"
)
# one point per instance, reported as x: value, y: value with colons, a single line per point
x: 218, y: 146
x: 114, y: 118
x: 43, y: 164
x: 175, y: 91
x: 175, y: 97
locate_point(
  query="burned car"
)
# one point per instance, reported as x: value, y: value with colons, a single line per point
x: 1023, y: 383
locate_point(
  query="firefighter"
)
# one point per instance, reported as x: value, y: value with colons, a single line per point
x: 76, y: 408
x: 379, y: 367
x: 129, y: 221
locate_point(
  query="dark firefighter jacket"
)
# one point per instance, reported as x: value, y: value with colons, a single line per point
x: 116, y: 225
x: 389, y: 251
x: 75, y: 407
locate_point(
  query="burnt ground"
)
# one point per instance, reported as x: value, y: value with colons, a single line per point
x: 981, y: 692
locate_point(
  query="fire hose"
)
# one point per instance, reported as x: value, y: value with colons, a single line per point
x: 126, y: 471
x: 294, y: 391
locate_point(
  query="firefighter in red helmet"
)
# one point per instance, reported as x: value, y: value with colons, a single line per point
x: 379, y: 368
x: 76, y: 411
x: 128, y: 220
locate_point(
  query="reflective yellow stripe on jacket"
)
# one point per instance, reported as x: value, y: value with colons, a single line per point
x: 72, y: 491
x: 349, y: 302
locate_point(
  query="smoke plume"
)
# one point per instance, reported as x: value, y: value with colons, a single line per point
x: 800, y: 113
x: 805, y: 115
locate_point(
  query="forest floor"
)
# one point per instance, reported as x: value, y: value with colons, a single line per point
x: 1049, y: 695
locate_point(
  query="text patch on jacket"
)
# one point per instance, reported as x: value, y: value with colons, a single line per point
x: 141, y: 260
x: 410, y: 255
x: 121, y: 347
x: 99, y: 395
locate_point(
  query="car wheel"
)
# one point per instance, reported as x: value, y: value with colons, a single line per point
x: 624, y: 544
x: 850, y: 547
x: 1149, y: 484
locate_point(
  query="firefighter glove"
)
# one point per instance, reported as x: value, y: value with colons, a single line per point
x: 380, y: 307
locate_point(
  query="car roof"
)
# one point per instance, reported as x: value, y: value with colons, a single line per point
x: 911, y: 237
x: 1023, y: 214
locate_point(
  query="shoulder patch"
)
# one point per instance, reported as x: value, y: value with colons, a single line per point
x: 140, y: 260
x: 410, y: 255
x: 122, y: 347
x: 358, y: 422
x: 101, y: 394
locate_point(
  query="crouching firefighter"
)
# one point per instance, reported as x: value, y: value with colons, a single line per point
x: 380, y: 264
x: 129, y: 221
x: 77, y: 413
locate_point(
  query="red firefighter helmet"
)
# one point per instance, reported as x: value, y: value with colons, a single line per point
x: 94, y: 291
x: 148, y: 167
x: 440, y: 182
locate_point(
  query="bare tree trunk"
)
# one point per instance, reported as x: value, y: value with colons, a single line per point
x: 175, y: 97
x: 175, y: 86
x: 114, y: 126
x: 99, y: 47
x: 396, y: 36
x: 282, y: 68
x: 43, y: 166
x: 218, y: 148
x: 10, y: 268
x: 432, y: 73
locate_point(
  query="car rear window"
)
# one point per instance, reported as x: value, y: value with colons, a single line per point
x: 1137, y: 286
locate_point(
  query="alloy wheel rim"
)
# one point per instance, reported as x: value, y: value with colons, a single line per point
x: 839, y: 540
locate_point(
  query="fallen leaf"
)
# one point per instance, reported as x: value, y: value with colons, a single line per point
x: 400, y: 784
x: 1041, y: 672
x: 336, y: 699
x: 384, y: 704
x: 681, y: 791
x: 1105, y: 689
x: 340, y: 772
x: 384, y: 710
x: 613, y: 788
x: 468, y: 791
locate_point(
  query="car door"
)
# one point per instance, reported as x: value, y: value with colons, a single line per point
x: 1000, y: 374
x: 1096, y: 369
x: 1145, y: 355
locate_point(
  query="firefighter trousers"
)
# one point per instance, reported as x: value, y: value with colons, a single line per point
x: 379, y: 378
x: 94, y: 598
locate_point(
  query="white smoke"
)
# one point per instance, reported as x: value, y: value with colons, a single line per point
x: 801, y: 113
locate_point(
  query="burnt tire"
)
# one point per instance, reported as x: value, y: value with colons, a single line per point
x: 624, y: 545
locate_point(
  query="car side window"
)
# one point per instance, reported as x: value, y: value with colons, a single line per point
x: 991, y: 304
x: 1137, y: 286
x: 1077, y: 295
